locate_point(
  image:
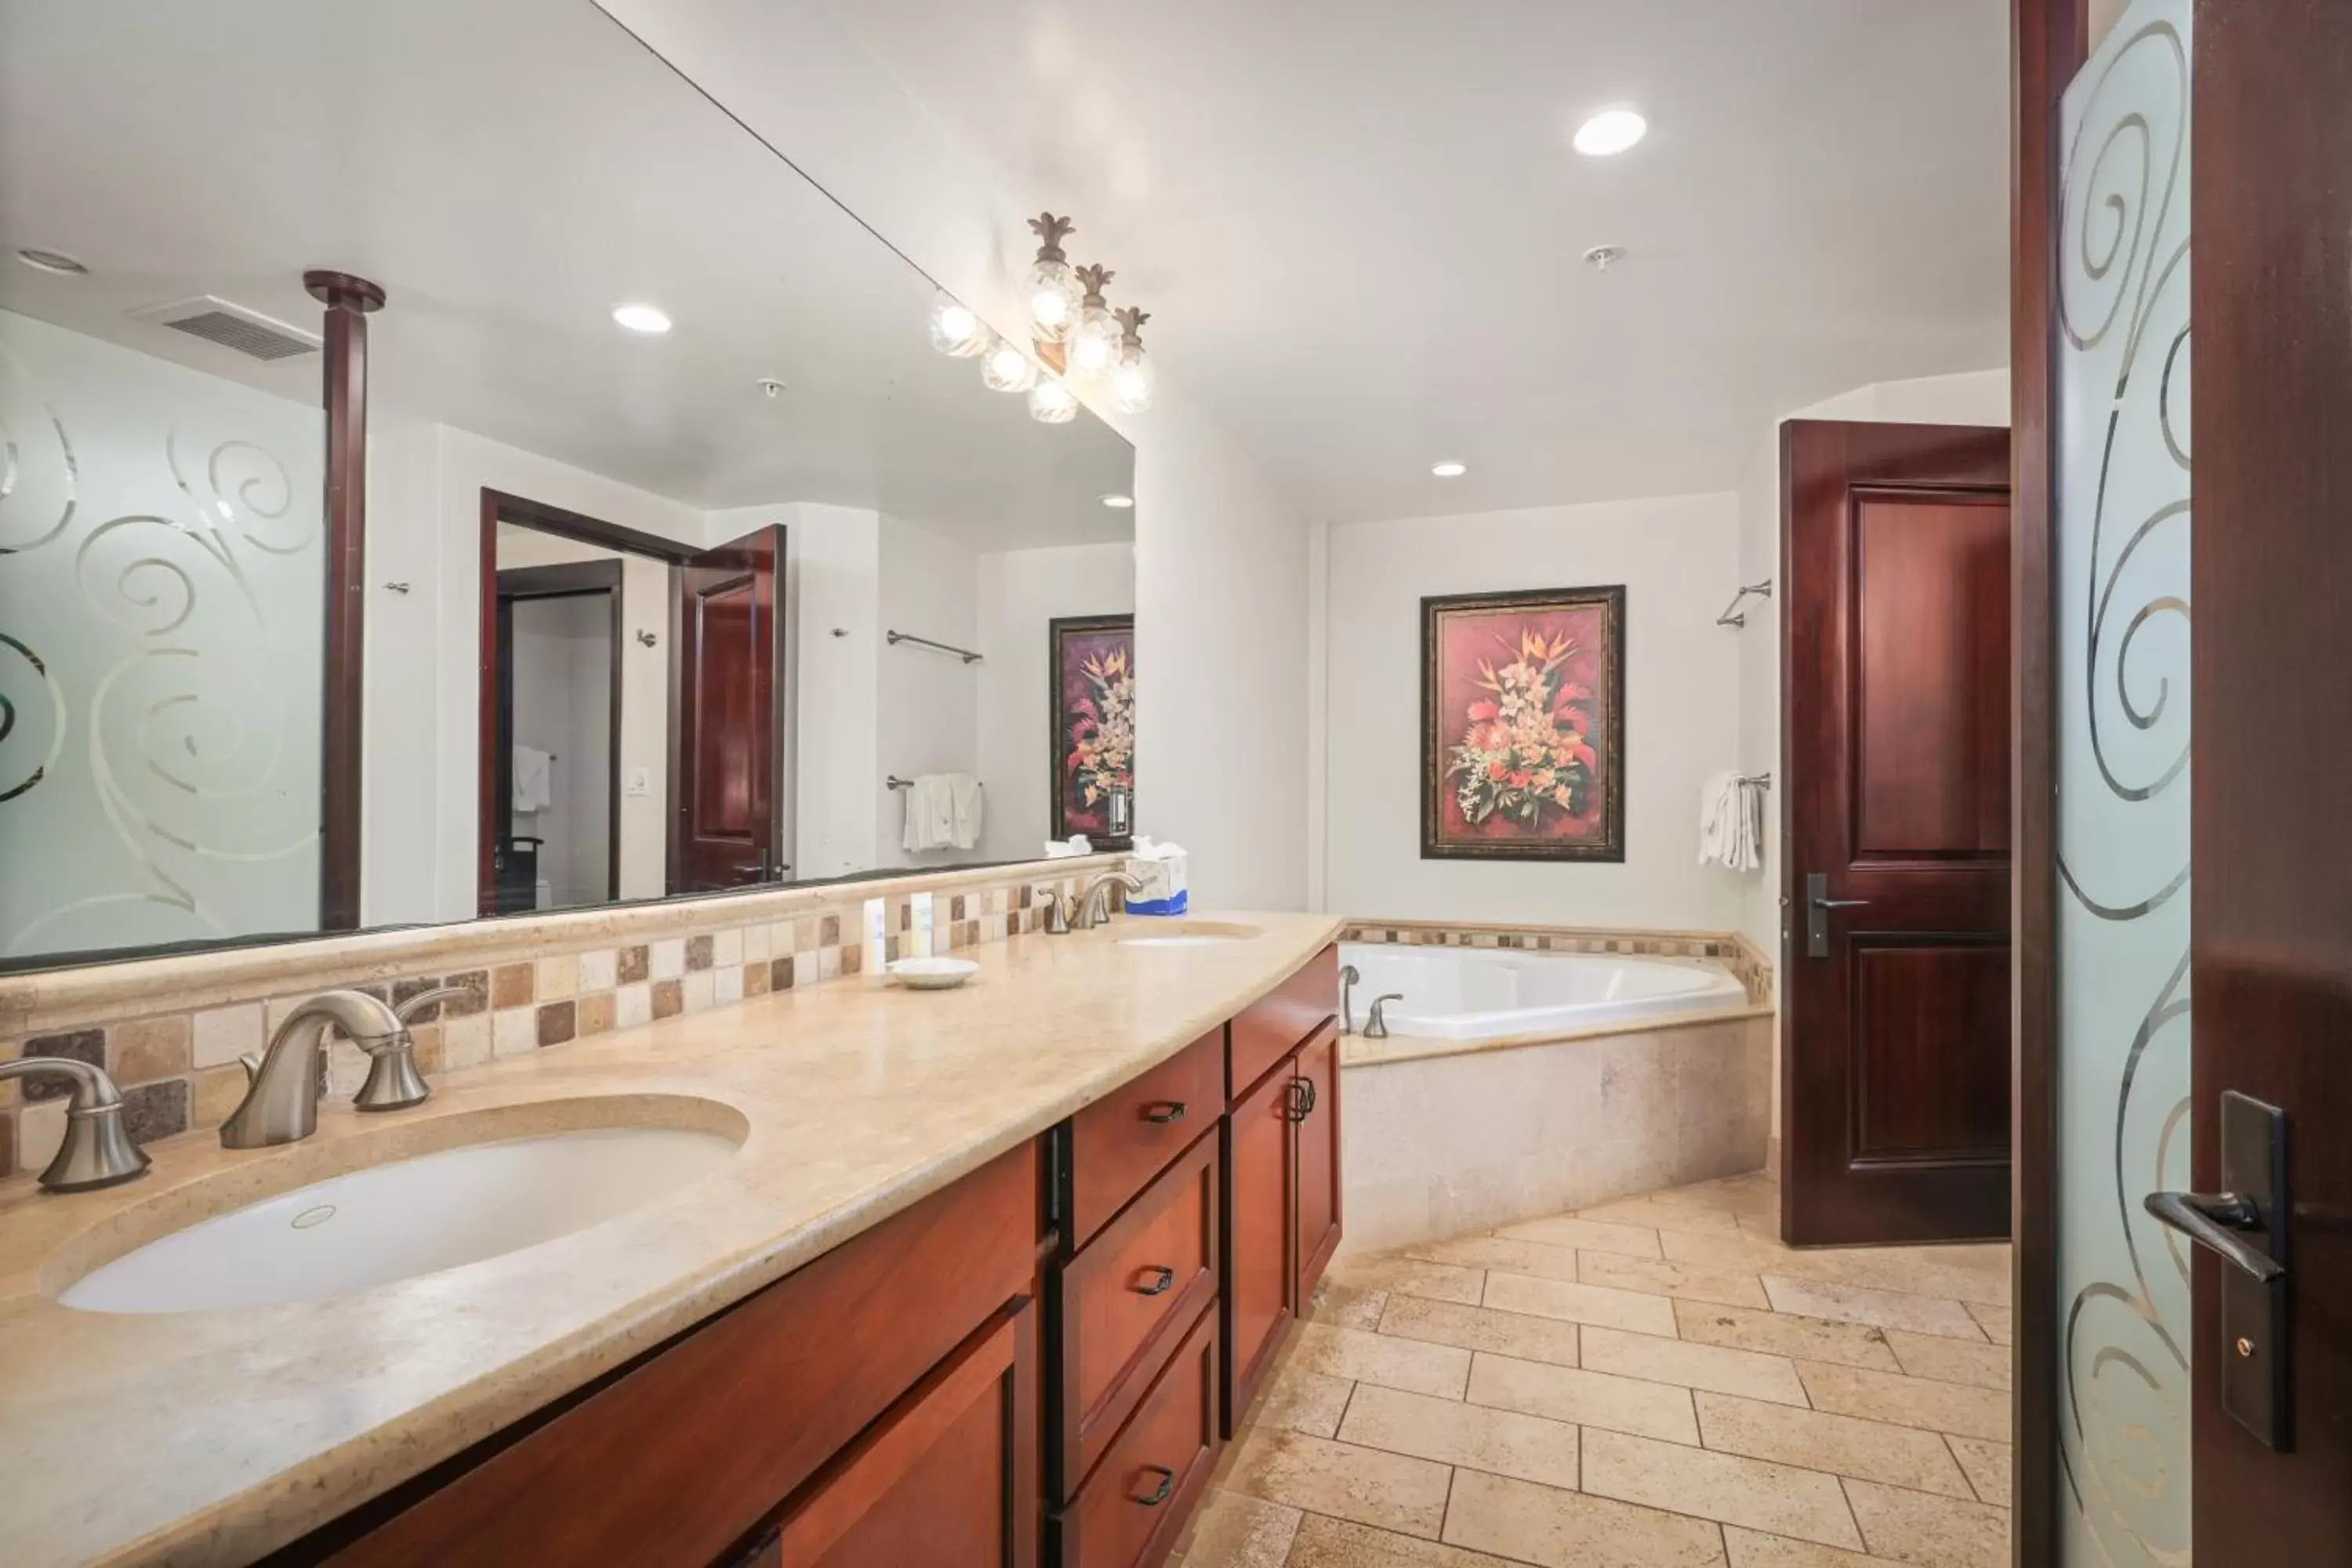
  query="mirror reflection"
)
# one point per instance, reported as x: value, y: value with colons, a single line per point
x: 689, y: 563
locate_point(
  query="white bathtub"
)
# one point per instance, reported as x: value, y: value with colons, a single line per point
x: 1486, y: 993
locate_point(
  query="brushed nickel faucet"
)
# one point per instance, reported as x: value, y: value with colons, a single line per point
x: 1093, y: 906
x: 97, y: 1150
x: 1376, y: 1027
x: 281, y: 1105
x: 1350, y: 978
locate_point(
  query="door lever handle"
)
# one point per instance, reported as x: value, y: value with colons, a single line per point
x: 1818, y: 905
x: 1841, y: 903
x: 2211, y: 1220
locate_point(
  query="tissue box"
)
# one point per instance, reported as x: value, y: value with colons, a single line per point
x: 1164, y: 872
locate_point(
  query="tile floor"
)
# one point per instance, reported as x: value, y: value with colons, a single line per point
x: 1654, y: 1382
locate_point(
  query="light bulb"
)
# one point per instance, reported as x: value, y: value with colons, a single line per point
x: 1094, y: 342
x: 1610, y: 133
x: 1053, y: 300
x: 1006, y: 369
x: 1051, y: 403
x: 1132, y: 383
x: 955, y: 327
x: 641, y: 318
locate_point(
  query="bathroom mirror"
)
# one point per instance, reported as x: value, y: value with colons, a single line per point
x: 646, y: 613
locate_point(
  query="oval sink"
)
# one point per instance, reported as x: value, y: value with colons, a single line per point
x: 394, y: 1221
x: 1190, y: 933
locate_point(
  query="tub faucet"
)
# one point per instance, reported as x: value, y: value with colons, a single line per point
x: 282, y: 1103
x: 1349, y: 977
x: 1094, y: 904
x: 97, y: 1150
x: 1376, y: 1027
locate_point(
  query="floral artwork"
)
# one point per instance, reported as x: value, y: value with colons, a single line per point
x: 1093, y: 668
x: 1523, y: 725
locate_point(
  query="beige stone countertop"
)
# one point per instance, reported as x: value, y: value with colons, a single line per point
x: 214, y: 1438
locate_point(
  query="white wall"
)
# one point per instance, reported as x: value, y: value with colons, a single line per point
x: 835, y: 611
x: 1222, y: 686
x: 930, y: 717
x: 1021, y: 591
x: 1676, y: 557
x: 563, y: 706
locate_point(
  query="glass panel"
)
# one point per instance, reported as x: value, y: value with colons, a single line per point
x: 162, y: 603
x: 2123, y: 785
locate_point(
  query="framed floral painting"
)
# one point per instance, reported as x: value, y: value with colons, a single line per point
x: 1523, y: 725
x: 1091, y: 663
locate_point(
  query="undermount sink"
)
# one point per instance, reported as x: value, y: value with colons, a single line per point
x: 1192, y: 933
x: 406, y: 1218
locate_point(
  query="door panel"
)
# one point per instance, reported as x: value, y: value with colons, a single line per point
x: 1260, y: 1278
x: 727, y: 682
x: 1895, y: 802
x: 2271, y: 922
x: 1318, y: 1160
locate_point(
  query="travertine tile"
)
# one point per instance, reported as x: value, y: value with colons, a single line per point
x: 1930, y: 1531
x: 1819, y: 1440
x: 221, y: 1035
x: 1907, y: 1401
x: 1414, y: 1365
x: 1690, y: 1281
x: 1577, y: 1303
x: 1348, y: 1306
x: 1560, y: 1528
x: 1887, y: 1310
x: 1994, y: 1321
x: 1783, y: 1333
x: 1491, y: 1252
x: 559, y: 977
x: 1987, y: 1467
x: 1586, y: 1398
x: 1440, y: 1280
x: 1302, y: 1400
x: 1587, y: 1236
x: 1656, y: 1215
x: 1754, y: 1549
x: 1949, y: 1359
x: 1728, y: 1488
x: 1747, y: 1372
x: 1909, y: 1270
x: 1325, y: 1543
x: 1500, y: 1442
x: 1235, y: 1529
x: 1481, y: 1329
x: 1391, y: 1490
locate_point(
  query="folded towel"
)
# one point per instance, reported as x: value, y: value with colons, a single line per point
x: 943, y: 812
x: 534, y: 779
x: 967, y: 806
x: 1731, y: 823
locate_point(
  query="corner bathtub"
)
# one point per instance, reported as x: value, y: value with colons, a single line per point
x: 1489, y: 993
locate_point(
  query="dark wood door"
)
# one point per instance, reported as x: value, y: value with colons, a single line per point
x: 725, y: 716
x: 1894, y: 781
x: 1318, y: 1098
x: 2271, y: 890
x: 1261, y: 1278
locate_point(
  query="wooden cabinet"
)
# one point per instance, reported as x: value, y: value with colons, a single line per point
x: 1316, y: 1116
x: 1131, y: 1509
x: 1126, y: 1138
x: 1260, y: 1222
x: 1277, y: 1024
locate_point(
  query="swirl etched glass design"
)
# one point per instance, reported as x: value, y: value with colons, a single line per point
x: 2123, y: 633
x: 161, y: 626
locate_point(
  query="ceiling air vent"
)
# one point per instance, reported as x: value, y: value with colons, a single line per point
x: 217, y: 321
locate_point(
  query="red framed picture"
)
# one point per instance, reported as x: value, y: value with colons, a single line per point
x: 1091, y: 663
x: 1523, y: 725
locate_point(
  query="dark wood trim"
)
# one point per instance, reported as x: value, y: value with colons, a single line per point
x: 568, y: 580
x: 343, y: 697
x: 546, y: 519
x: 2049, y: 41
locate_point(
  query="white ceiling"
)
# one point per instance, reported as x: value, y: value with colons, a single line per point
x: 1359, y: 226
x: 509, y: 172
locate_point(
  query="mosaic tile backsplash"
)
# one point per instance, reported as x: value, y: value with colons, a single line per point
x: 1748, y: 964
x: 177, y: 1065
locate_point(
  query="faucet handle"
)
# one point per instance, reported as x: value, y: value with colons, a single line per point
x: 97, y: 1150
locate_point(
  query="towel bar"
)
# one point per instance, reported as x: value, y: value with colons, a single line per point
x: 1732, y: 615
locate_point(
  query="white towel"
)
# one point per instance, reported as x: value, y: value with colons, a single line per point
x: 968, y: 805
x: 534, y: 779
x: 942, y: 812
x: 1731, y: 823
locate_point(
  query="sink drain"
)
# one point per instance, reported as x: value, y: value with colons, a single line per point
x: 320, y: 1215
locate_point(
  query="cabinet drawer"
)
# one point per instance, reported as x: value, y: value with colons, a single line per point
x: 1126, y: 1298
x: 1125, y: 1139
x: 1273, y: 1025
x: 1132, y: 1509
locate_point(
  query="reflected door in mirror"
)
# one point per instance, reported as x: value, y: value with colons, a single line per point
x: 727, y: 669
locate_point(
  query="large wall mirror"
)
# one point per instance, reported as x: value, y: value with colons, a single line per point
x: 777, y: 593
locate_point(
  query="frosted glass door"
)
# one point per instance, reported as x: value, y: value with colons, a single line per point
x: 2122, y: 617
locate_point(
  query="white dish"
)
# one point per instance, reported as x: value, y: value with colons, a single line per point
x: 931, y: 973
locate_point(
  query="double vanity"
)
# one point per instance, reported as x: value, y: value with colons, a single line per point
x: 843, y: 1274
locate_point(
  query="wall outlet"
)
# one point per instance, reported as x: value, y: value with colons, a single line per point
x: 640, y: 783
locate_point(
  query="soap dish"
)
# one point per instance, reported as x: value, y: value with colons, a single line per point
x: 931, y: 973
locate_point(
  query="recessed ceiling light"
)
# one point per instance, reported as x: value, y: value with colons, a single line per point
x: 51, y: 261
x: 641, y: 318
x: 1118, y: 504
x: 1610, y: 132
x: 1449, y: 469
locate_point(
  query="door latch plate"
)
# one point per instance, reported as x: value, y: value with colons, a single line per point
x: 2255, y: 1363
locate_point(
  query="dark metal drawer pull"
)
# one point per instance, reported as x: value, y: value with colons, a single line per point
x: 1160, y: 1112
x: 1302, y: 1099
x: 1165, y: 1278
x: 1167, y: 1485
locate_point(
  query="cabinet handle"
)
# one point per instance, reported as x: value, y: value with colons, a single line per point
x: 1160, y: 1493
x: 1163, y: 1278
x: 1160, y: 1112
x: 1302, y: 1099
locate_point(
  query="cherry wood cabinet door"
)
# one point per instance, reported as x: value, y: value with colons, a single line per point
x: 1261, y: 1276
x: 1132, y: 1511
x: 1316, y: 1108
x: 946, y: 1477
